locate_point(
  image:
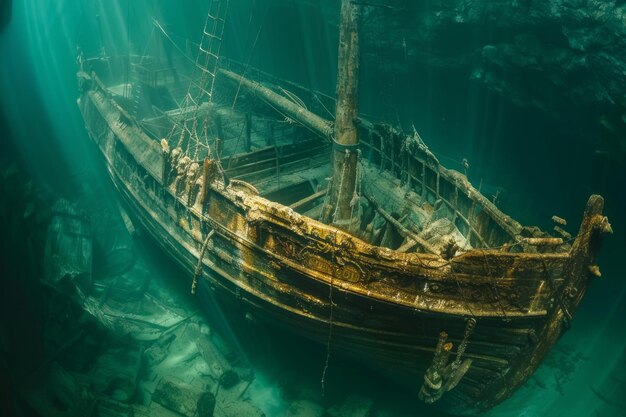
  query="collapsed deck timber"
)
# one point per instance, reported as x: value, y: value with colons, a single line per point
x: 502, y: 303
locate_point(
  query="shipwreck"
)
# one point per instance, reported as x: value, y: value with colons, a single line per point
x: 347, y: 231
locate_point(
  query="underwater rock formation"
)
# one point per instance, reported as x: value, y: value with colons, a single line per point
x: 562, y: 57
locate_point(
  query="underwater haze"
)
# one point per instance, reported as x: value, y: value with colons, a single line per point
x: 525, y: 99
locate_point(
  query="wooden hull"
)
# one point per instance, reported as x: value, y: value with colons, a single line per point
x: 385, y: 308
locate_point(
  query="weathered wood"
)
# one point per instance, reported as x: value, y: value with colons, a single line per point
x: 308, y: 199
x: 208, y: 173
x: 273, y: 160
x: 282, y: 266
x: 266, y: 153
x: 568, y: 297
x: 315, y: 123
x: 543, y: 241
x: 407, y: 245
x: 406, y: 233
x: 268, y: 175
x: 338, y: 208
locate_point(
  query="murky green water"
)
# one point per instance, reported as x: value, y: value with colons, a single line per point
x: 544, y: 157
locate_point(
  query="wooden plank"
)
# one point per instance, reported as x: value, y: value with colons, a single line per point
x: 272, y: 161
x: 400, y: 228
x: 308, y: 199
x: 267, y: 176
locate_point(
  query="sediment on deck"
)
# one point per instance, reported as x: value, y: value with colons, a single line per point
x: 387, y: 305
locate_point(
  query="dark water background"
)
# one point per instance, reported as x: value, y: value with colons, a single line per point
x: 544, y: 168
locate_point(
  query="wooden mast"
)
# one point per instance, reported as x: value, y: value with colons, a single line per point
x: 338, y: 208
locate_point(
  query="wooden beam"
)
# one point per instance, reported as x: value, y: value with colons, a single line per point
x: 298, y: 113
x: 404, y: 232
x: 308, y: 199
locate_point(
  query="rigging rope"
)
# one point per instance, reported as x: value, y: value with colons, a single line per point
x: 331, y: 318
x: 183, y: 53
x: 204, y: 70
x: 230, y: 161
x: 127, y: 75
x: 251, y: 50
x: 357, y: 186
x: 316, y: 97
x: 293, y: 98
x: 145, y: 51
x: 493, y: 285
x: 198, y: 271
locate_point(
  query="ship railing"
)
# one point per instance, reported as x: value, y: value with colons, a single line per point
x: 409, y: 160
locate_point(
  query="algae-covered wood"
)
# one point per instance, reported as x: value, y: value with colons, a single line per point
x: 253, y: 229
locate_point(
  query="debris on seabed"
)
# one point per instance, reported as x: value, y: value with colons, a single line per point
x: 121, y: 342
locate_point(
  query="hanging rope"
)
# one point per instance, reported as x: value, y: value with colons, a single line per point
x: 325, y: 199
x: 205, y: 135
x: 198, y: 271
x: 293, y: 98
x: 331, y: 318
x: 316, y: 98
x: 357, y: 187
x: 127, y: 75
x: 204, y: 71
x: 256, y: 39
x: 493, y: 285
x: 145, y: 50
x: 167, y: 36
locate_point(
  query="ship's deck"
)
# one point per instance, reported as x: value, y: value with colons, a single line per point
x: 290, y: 165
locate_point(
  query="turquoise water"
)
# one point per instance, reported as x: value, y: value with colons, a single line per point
x: 546, y: 164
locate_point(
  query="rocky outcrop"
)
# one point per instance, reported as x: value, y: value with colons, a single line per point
x: 563, y: 57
